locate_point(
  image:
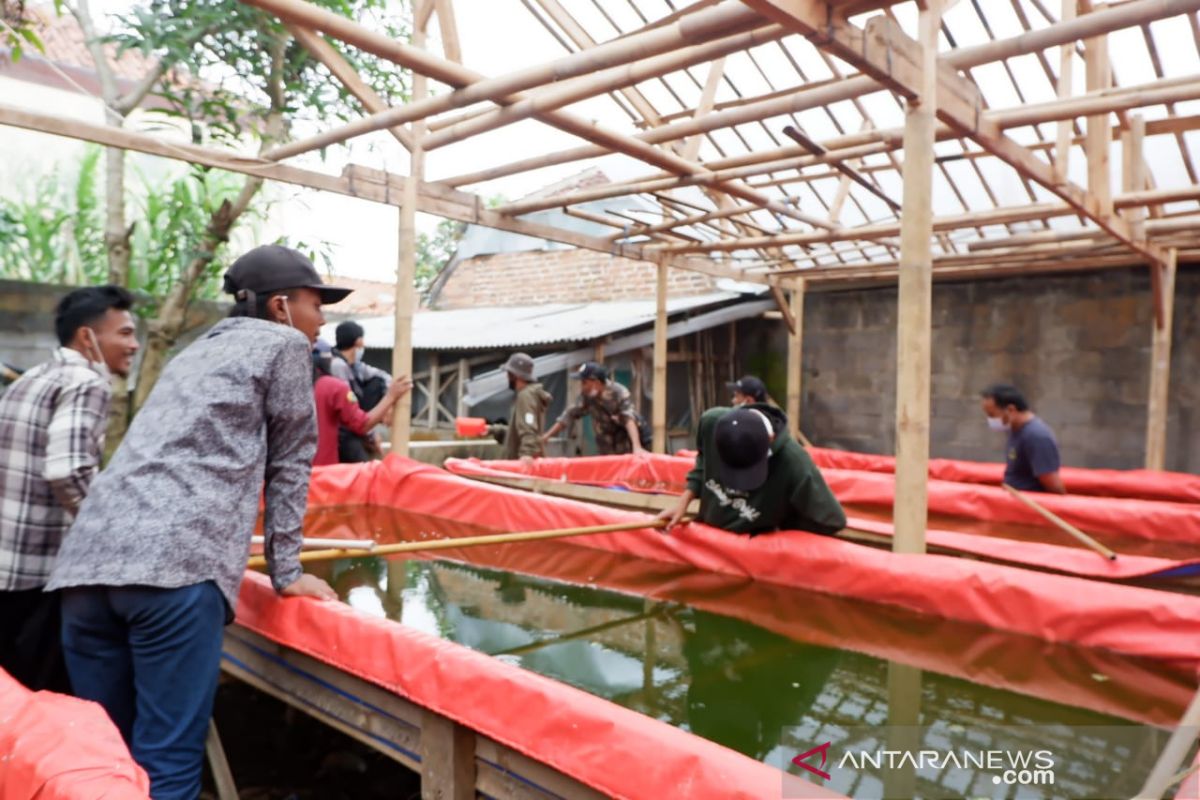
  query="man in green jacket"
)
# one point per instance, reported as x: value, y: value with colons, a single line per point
x: 752, y: 477
x: 522, y: 436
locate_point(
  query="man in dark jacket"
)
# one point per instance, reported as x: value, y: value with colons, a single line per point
x: 522, y: 436
x: 752, y: 477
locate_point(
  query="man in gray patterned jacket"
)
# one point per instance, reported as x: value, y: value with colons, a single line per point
x: 150, y: 569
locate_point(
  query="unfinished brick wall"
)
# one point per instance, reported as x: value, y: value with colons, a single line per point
x: 1077, y: 345
x: 558, y: 276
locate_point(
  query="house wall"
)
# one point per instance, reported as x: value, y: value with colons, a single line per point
x: 1078, y: 345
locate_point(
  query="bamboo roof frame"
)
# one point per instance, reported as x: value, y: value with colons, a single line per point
x: 766, y: 214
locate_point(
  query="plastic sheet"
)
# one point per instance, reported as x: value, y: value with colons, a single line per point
x: 60, y: 748
x: 1056, y: 608
x: 1142, y: 519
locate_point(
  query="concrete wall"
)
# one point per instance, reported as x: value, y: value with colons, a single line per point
x: 1078, y: 345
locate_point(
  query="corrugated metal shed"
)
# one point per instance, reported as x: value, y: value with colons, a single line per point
x: 522, y: 326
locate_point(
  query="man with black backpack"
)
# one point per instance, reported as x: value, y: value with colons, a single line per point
x: 369, y: 384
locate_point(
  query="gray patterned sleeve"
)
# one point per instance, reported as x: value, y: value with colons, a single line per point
x: 75, y: 440
x: 291, y: 444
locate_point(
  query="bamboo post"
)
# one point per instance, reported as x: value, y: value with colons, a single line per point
x: 914, y: 320
x: 658, y: 411
x: 1062, y: 523
x: 1160, y: 372
x: 406, y: 271
x: 435, y: 390
x: 1062, y: 148
x: 795, y: 360
x: 1133, y: 169
x: 904, y: 717
x: 467, y: 541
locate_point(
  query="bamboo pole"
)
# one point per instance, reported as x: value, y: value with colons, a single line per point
x: 1062, y: 523
x: 723, y: 20
x: 690, y: 148
x: 313, y: 542
x: 1133, y: 169
x: 658, y: 410
x: 1066, y: 72
x: 468, y: 541
x: 1163, y: 775
x: 1099, y: 126
x: 1158, y: 407
x: 914, y: 338
x: 795, y: 360
x: 586, y: 86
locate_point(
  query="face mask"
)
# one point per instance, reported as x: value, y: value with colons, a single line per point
x: 359, y: 352
x: 99, y: 364
x: 998, y: 424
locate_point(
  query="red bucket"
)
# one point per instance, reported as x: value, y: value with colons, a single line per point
x: 470, y: 426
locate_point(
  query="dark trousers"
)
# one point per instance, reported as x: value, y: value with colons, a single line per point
x: 352, y: 448
x: 30, y: 646
x: 151, y: 657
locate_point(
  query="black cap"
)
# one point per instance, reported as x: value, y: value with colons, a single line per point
x: 591, y: 371
x: 749, y: 386
x: 347, y: 334
x: 274, y: 268
x: 743, y: 438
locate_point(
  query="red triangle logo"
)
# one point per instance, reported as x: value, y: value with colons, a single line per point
x: 800, y: 760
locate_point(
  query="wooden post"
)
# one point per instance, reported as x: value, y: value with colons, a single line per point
x: 913, y: 336
x: 1133, y: 169
x: 464, y: 375
x: 795, y: 358
x: 904, y: 715
x: 1062, y: 149
x: 435, y: 390
x: 406, y: 270
x: 1160, y: 373
x: 658, y: 411
x: 1099, y: 126
x: 219, y: 764
x: 447, y: 759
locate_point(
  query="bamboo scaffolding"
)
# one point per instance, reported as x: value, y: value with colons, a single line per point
x: 1097, y: 23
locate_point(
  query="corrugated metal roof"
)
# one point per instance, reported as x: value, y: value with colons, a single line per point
x: 522, y: 326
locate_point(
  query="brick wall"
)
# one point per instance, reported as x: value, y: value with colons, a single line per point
x: 1078, y: 346
x: 558, y: 276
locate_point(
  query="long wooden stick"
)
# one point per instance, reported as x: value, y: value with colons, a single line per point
x: 1163, y: 776
x: 342, y: 544
x: 1062, y: 523
x: 469, y: 541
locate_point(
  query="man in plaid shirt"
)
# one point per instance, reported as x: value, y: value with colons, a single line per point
x: 52, y: 426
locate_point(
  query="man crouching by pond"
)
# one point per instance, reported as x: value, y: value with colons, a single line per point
x: 752, y: 477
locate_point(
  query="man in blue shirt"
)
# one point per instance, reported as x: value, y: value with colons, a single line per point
x: 1032, y: 460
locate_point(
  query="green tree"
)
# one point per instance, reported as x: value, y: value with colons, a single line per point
x: 232, y: 75
x: 435, y: 251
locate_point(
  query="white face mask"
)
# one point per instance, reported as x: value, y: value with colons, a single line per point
x: 359, y: 352
x: 98, y: 364
x: 998, y: 424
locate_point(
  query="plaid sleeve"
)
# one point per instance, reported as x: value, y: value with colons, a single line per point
x: 75, y: 440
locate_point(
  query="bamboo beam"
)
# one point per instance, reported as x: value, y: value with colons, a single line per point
x: 1158, y: 407
x: 1097, y: 23
x: 571, y: 91
x: 690, y: 148
x: 448, y: 25
x: 727, y: 18
x: 1062, y: 151
x: 341, y: 69
x: 795, y: 361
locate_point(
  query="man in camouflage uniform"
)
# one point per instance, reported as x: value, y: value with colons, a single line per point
x: 608, y: 403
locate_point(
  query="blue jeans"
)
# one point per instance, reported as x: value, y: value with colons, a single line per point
x: 151, y: 657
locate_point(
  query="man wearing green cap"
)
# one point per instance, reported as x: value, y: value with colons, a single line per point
x: 522, y: 435
x: 151, y: 567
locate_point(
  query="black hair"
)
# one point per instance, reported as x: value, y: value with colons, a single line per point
x: 241, y: 308
x: 322, y: 364
x: 81, y: 307
x: 1004, y: 395
x: 347, y: 334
